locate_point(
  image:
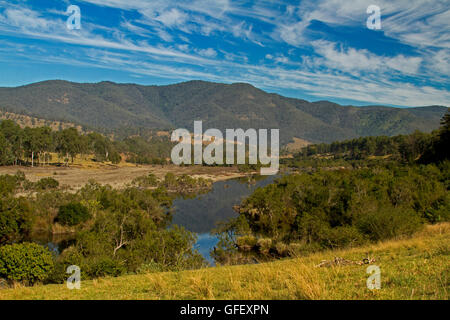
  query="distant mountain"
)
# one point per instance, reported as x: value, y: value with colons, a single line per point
x: 108, y: 105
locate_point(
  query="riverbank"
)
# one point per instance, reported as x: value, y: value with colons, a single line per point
x: 414, y: 268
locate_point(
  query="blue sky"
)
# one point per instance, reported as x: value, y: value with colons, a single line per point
x: 309, y: 49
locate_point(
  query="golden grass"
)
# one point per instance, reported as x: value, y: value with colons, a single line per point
x: 415, y: 268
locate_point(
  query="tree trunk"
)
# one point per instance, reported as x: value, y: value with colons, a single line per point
x: 32, y: 159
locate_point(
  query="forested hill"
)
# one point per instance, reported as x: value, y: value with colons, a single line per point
x: 108, y: 105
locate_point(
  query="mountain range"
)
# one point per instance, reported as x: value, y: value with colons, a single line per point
x: 111, y: 106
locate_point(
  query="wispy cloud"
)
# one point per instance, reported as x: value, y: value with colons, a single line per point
x: 362, y: 61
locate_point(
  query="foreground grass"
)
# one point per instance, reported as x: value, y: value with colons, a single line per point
x: 415, y: 268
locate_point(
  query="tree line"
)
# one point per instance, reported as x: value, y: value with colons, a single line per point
x: 428, y: 147
x: 34, y: 146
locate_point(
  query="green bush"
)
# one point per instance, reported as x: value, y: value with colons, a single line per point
x: 105, y: 266
x: 72, y: 214
x: 15, y: 220
x: 47, y: 184
x: 27, y: 263
x: 389, y: 222
x: 146, y: 181
x: 10, y: 183
x: 339, y: 237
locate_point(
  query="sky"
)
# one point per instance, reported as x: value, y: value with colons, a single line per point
x: 309, y: 49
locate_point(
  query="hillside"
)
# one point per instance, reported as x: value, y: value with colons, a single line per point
x: 415, y: 268
x: 33, y: 122
x: 112, y: 106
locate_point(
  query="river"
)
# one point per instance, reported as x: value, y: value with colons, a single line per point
x: 202, y: 213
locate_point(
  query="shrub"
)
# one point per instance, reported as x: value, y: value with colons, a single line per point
x: 389, y: 222
x: 282, y: 249
x: 10, y: 183
x: 296, y: 249
x: 146, y: 181
x: 27, y: 263
x: 15, y: 219
x: 340, y: 237
x: 246, y: 243
x: 103, y: 266
x: 115, y: 157
x: 47, y: 184
x: 264, y: 245
x: 72, y: 214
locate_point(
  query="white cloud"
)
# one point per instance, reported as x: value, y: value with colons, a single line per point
x: 439, y: 62
x: 24, y: 19
x: 210, y: 52
x: 172, y: 18
x: 357, y: 61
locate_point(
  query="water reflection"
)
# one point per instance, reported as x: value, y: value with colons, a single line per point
x: 202, y: 213
x: 56, y: 243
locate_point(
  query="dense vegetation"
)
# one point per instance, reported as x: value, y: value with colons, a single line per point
x: 112, y: 106
x: 114, y: 231
x: 183, y: 184
x: 325, y: 208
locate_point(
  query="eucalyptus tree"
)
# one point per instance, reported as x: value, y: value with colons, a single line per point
x: 14, y: 135
x: 31, y: 143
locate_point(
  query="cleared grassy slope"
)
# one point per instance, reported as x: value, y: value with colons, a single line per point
x: 415, y: 268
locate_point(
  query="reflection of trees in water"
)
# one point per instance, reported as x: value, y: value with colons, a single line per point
x: 55, y: 242
x: 251, y: 179
x: 202, y: 213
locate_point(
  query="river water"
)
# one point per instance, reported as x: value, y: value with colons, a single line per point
x: 202, y: 213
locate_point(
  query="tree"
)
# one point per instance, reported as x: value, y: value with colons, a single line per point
x: 44, y: 135
x: 444, y: 137
x: 31, y: 143
x: 6, y: 154
x: 73, y: 214
x: 13, y: 133
x: 68, y: 143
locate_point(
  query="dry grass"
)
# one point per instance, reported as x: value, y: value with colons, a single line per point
x: 84, y: 169
x: 415, y: 268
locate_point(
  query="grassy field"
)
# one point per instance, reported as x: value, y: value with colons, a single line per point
x: 415, y: 268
